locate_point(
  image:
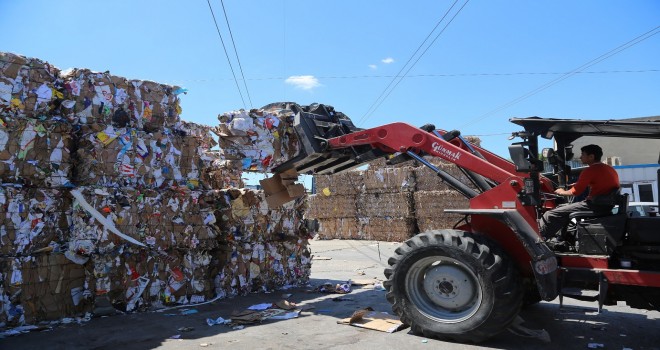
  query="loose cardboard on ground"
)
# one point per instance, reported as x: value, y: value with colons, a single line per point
x: 379, y: 321
x: 364, y: 282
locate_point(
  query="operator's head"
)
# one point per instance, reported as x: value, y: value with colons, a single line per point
x: 591, y: 150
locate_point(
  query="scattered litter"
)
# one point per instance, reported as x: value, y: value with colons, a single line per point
x: 286, y: 305
x: 595, y: 345
x: 379, y: 286
x: 176, y: 336
x: 281, y: 310
x: 370, y: 319
x: 341, y: 288
x: 20, y: 330
x: 623, y: 335
x: 204, y: 344
x: 361, y: 273
x: 219, y: 320
x: 364, y: 282
x: 188, y: 311
x: 186, y: 329
x: 238, y: 328
x: 263, y: 306
x: 425, y: 341
x: 518, y: 329
x: 286, y: 316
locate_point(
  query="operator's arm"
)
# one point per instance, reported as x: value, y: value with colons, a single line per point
x: 579, y: 186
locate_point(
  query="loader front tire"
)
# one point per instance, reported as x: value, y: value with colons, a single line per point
x: 453, y: 285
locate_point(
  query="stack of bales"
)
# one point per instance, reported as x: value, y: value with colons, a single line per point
x: 36, y: 169
x: 386, y: 208
x: 335, y: 205
x: 108, y: 198
x: 370, y: 204
x: 390, y: 203
x: 432, y: 196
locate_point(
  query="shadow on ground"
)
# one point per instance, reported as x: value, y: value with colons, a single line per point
x: 150, y: 329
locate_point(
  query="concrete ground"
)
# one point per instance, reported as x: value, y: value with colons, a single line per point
x: 576, y: 326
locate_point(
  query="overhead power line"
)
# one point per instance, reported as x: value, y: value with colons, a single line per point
x: 439, y: 75
x: 407, y: 62
x: 390, y: 87
x: 236, y: 52
x: 226, y: 54
x: 569, y: 74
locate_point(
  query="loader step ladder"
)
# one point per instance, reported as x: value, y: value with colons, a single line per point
x: 583, y: 294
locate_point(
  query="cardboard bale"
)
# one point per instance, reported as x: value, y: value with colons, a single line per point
x: 44, y: 287
x: 109, y: 156
x: 222, y: 174
x: 101, y: 98
x: 440, y: 222
x: 36, y: 153
x: 387, y: 229
x: 32, y: 218
x: 323, y: 207
x: 346, y: 183
x: 432, y: 203
x: 430, y: 206
x: 29, y: 87
x: 339, y: 228
x: 389, y: 180
x: 268, y: 248
x: 427, y: 180
x: 395, y: 205
x: 159, y: 219
x: 260, y: 139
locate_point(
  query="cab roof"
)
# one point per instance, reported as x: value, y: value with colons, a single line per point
x: 568, y: 130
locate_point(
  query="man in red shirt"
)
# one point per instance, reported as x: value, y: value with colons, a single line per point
x: 603, y: 183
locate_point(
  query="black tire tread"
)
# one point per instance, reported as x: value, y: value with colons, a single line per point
x: 507, y: 285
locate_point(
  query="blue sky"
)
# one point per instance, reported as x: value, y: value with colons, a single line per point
x: 345, y: 53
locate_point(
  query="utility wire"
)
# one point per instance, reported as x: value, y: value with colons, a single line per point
x: 419, y: 57
x: 226, y: 54
x: 569, y: 74
x: 377, y: 103
x: 431, y: 75
x: 236, y: 52
x: 409, y: 59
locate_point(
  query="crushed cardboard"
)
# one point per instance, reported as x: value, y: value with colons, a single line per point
x: 379, y: 321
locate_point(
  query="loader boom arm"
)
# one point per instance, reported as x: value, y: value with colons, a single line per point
x: 402, y: 137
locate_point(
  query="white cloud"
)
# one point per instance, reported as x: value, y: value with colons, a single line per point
x: 305, y: 82
x: 388, y: 60
x: 373, y: 66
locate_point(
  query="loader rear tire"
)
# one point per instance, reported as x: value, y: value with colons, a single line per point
x: 453, y: 285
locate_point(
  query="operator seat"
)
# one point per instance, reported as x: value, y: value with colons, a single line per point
x: 606, y: 228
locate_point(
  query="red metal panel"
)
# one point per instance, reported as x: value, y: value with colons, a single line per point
x: 402, y: 137
x: 581, y: 261
x: 503, y: 235
x: 633, y: 277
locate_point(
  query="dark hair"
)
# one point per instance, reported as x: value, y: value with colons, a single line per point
x: 593, y: 149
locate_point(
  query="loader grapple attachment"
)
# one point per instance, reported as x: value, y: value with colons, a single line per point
x: 314, y: 125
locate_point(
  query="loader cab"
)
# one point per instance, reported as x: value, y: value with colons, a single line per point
x: 590, y: 233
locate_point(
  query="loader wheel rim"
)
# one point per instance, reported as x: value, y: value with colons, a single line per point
x: 444, y: 289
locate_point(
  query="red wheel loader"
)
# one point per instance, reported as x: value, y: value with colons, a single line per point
x: 467, y: 283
